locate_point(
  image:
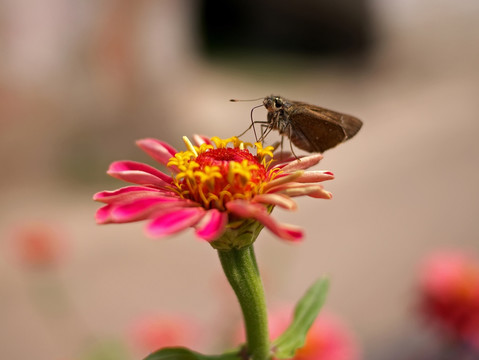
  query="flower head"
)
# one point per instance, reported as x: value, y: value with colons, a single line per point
x: 153, y: 332
x: 39, y: 244
x: 217, y: 186
x: 449, y: 285
x: 329, y: 338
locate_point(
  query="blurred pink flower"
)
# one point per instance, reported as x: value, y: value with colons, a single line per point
x: 39, y: 244
x: 449, y: 291
x: 151, y: 333
x: 212, y: 188
x: 328, y: 338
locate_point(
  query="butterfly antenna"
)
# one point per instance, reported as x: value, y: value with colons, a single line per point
x: 238, y: 100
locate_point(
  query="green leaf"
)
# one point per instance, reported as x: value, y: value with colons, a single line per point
x: 305, y: 313
x: 187, y: 354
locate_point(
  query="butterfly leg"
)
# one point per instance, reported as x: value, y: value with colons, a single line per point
x: 264, y: 132
x: 291, y: 143
x: 244, y: 132
x: 254, y: 129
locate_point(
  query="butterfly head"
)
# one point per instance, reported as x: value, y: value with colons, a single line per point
x: 273, y: 103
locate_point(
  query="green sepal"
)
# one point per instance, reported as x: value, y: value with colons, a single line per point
x: 238, y: 234
x: 179, y: 353
x: 305, y: 312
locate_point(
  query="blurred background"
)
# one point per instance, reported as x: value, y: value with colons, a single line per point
x: 81, y: 81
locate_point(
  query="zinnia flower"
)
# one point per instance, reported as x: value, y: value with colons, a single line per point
x: 39, y: 244
x: 449, y: 285
x: 328, y: 338
x: 218, y: 187
x: 158, y: 331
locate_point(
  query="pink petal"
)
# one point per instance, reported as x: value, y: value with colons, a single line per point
x: 297, y: 189
x: 129, y: 193
x: 303, y: 163
x: 212, y: 225
x: 283, y: 179
x: 158, y: 150
x: 174, y: 221
x: 319, y: 193
x: 282, y: 158
x: 276, y: 199
x: 295, y: 233
x: 315, y: 176
x: 246, y: 209
x: 139, y: 173
x: 141, y: 208
x: 200, y: 139
x: 102, y: 215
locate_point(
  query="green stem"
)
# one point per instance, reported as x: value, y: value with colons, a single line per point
x: 242, y: 272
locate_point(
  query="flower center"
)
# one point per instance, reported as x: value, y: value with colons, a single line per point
x: 221, y: 157
x: 214, y: 176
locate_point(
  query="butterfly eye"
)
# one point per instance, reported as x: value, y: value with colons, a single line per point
x: 278, y: 102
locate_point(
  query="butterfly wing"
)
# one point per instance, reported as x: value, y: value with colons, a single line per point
x: 350, y: 124
x: 316, y: 129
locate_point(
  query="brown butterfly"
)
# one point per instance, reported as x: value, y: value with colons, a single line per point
x: 309, y: 127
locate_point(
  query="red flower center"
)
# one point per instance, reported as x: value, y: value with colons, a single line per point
x: 223, y: 174
x: 221, y: 158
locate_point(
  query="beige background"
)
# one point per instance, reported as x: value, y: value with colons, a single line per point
x: 79, y: 83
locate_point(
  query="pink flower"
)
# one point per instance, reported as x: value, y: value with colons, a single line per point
x: 154, y: 332
x: 39, y: 244
x: 449, y: 290
x: 212, y: 188
x: 328, y: 338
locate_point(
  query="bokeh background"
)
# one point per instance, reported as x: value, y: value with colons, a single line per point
x: 81, y: 81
